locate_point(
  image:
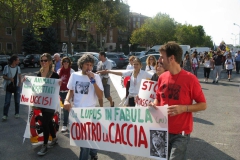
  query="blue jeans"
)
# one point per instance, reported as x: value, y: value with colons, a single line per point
x: 177, y: 146
x: 65, y: 112
x: 7, y: 103
x: 85, y: 152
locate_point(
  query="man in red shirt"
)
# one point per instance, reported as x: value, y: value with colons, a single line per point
x: 178, y: 88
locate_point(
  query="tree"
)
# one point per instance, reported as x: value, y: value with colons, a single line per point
x: 11, y: 13
x: 49, y: 40
x: 70, y: 11
x: 30, y: 44
x: 157, y: 30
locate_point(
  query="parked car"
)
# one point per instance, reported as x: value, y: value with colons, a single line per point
x: 21, y: 59
x: 137, y: 54
x: 95, y: 54
x: 119, y: 58
x: 75, y: 58
x: 32, y: 60
x: 65, y: 55
x: 3, y: 61
x: 144, y: 58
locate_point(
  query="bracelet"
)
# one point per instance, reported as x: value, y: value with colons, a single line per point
x: 92, y: 80
x: 187, y: 108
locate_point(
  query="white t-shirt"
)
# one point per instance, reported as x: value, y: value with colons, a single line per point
x: 83, y: 89
x: 229, y: 63
x: 195, y: 62
x: 129, y: 67
x: 107, y: 65
x: 151, y: 68
x: 135, y: 82
x: 207, y: 63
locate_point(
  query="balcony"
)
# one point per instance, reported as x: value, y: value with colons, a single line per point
x: 82, y: 39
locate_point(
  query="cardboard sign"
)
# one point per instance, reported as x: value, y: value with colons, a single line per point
x: 137, y: 131
x: 147, y: 92
x: 40, y: 92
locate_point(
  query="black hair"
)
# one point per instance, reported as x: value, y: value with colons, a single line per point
x: 12, y: 58
x: 102, y: 54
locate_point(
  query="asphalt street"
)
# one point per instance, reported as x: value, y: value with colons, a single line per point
x: 215, y: 135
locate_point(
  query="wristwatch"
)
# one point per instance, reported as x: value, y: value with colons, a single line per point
x: 92, y: 80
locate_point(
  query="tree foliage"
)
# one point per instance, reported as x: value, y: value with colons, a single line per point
x: 30, y: 44
x: 49, y: 40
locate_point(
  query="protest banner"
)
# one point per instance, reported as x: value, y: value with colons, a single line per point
x: 41, y: 92
x: 147, y: 92
x: 140, y: 131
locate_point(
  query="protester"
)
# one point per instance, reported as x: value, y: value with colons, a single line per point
x: 95, y: 91
x: 151, y: 63
x: 136, y: 76
x: 64, y: 73
x: 187, y: 63
x: 104, y: 64
x: 46, y: 70
x: 229, y: 65
x: 159, y: 70
x: 178, y: 88
x: 207, y: 62
x: 57, y: 63
x: 217, y: 66
x: 12, y: 77
x: 195, y: 64
x: 237, y: 60
x: 130, y: 65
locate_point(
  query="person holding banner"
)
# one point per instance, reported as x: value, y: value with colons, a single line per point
x: 85, y: 79
x: 178, y: 88
x: 136, y: 76
x: 46, y: 70
x: 64, y: 73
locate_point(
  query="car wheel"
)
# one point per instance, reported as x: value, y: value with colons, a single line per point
x: 1, y: 68
x: 21, y: 66
x: 35, y: 65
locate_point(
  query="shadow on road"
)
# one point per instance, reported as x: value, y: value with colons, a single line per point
x: 198, y: 149
x: 199, y: 120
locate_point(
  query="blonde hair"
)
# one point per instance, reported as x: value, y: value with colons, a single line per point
x: 154, y: 60
x: 49, y: 58
x: 132, y: 58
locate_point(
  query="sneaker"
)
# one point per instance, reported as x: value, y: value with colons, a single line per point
x: 4, y: 118
x: 216, y: 81
x: 17, y: 116
x: 54, y: 141
x: 229, y: 79
x: 213, y: 81
x: 64, y: 129
x: 94, y: 157
x: 43, y: 150
x: 205, y: 80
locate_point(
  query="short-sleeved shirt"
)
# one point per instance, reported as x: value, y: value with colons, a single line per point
x: 57, y: 65
x: 179, y: 89
x: 218, y: 60
x: 107, y: 65
x: 10, y: 72
x: 135, y: 82
x: 83, y: 89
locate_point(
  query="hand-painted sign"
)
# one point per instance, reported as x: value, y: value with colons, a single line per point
x: 138, y: 131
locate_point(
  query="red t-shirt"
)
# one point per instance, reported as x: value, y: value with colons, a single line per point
x: 179, y: 89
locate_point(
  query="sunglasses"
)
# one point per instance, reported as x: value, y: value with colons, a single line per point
x: 65, y: 61
x: 44, y: 60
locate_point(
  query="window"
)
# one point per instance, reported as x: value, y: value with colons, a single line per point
x: 134, y: 19
x: 8, y: 31
x: 138, y: 18
x: 73, y: 34
x: 133, y: 25
x: 9, y: 46
x: 66, y: 33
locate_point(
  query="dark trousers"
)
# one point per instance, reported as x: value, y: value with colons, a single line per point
x: 237, y: 66
x: 131, y: 102
x: 206, y: 72
x: 65, y: 112
x: 47, y: 124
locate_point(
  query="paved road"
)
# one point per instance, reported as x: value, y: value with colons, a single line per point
x: 215, y: 135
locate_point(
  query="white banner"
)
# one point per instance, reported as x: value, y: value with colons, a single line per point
x: 140, y: 131
x: 40, y: 92
x: 147, y: 92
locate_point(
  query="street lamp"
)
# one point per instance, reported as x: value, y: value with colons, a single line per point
x: 129, y: 47
x: 239, y: 31
x: 235, y: 38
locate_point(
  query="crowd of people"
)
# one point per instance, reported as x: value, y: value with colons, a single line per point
x: 177, y: 88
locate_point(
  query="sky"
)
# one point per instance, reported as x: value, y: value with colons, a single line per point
x: 216, y: 16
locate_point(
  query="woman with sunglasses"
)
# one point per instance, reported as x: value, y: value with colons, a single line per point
x: 151, y: 63
x: 46, y: 70
x: 136, y: 75
x: 64, y: 73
